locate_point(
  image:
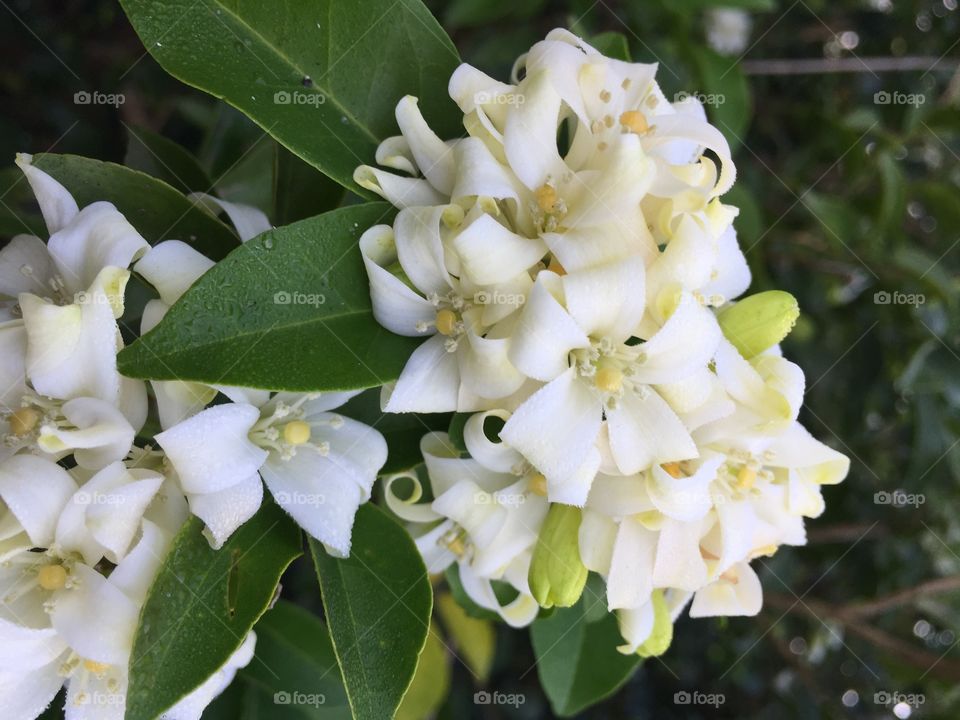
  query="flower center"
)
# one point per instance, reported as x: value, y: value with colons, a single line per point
x: 52, y: 577
x: 448, y: 319
x: 285, y: 432
x: 548, y: 208
x: 609, y: 368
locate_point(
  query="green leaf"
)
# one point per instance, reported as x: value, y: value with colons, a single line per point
x: 165, y: 160
x: 725, y: 93
x: 288, y: 310
x: 475, y: 640
x: 612, y: 44
x: 403, y: 431
x: 202, y: 604
x: 431, y: 683
x: 155, y: 209
x: 295, y: 664
x: 299, y: 191
x: 322, y: 76
x: 577, y: 661
x: 377, y: 603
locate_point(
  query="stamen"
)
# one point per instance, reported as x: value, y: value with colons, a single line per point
x: 609, y: 379
x: 97, y: 668
x: 23, y: 421
x: 673, y: 469
x: 538, y: 484
x: 52, y: 577
x: 746, y: 477
x: 296, y: 432
x: 546, y: 197
x: 446, y: 321
x: 634, y: 121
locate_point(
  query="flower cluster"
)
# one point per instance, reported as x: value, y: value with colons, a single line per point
x: 575, y: 271
x: 88, y: 511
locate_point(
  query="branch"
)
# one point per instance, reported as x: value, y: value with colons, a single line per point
x: 823, y: 66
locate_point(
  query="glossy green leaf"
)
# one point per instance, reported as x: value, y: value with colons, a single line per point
x: 202, y: 604
x: 322, y: 76
x: 299, y: 190
x: 155, y: 209
x: 165, y: 160
x: 289, y: 310
x: 612, y: 44
x: 294, y: 664
x: 577, y: 660
x: 431, y: 683
x: 725, y: 93
x: 377, y: 603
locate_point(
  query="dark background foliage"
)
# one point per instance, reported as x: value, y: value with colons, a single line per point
x: 848, y: 202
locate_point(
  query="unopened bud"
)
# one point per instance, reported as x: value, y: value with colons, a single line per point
x: 759, y: 322
x: 557, y: 574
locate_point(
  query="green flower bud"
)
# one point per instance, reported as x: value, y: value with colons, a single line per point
x: 557, y: 575
x: 662, y: 634
x: 759, y: 322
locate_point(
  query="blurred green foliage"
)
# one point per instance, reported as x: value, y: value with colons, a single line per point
x: 848, y: 202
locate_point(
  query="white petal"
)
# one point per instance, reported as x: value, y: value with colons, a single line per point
x: 430, y: 381
x: 596, y: 538
x: 177, y: 400
x: 480, y: 174
x: 556, y: 430
x: 684, y: 344
x: 36, y: 491
x: 56, y: 204
x: 679, y: 563
x: 530, y: 133
x: 71, y: 349
x: 607, y: 300
x: 740, y: 594
x: 636, y: 624
x: 102, y: 433
x: 25, y: 266
x: 420, y: 248
x: 631, y: 568
x: 493, y: 254
x: 172, y: 267
x: 394, y: 152
x: 399, y: 191
x: 395, y: 305
x: 24, y: 648
x: 96, y: 619
x: 495, y: 455
x: 98, y: 237
x: 321, y: 493
x: 446, y: 468
x: 28, y: 694
x: 134, y: 575
x: 644, y: 430
x: 546, y: 332
x: 433, y: 156
x: 485, y: 367
x: 223, y: 511
x: 684, y: 498
x: 248, y: 220
x: 732, y: 272
x: 13, y: 349
x: 211, y: 451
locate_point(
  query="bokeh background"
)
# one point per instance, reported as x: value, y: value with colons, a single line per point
x: 844, y: 117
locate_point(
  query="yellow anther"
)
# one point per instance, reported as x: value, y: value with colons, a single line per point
x: 608, y: 120
x: 296, y: 432
x: 634, y: 121
x: 746, y: 477
x: 97, y: 668
x: 52, y: 577
x: 538, y: 484
x: 456, y: 546
x: 546, y: 196
x: 24, y: 420
x: 605, y: 95
x: 764, y: 551
x: 673, y: 469
x: 446, y: 321
x: 609, y: 379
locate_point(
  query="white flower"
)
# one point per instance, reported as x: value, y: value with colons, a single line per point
x: 464, y: 364
x: 486, y: 517
x: 320, y: 466
x: 576, y: 335
x: 728, y: 29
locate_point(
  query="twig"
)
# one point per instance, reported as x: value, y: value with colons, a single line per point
x: 822, y: 66
x: 901, y: 597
